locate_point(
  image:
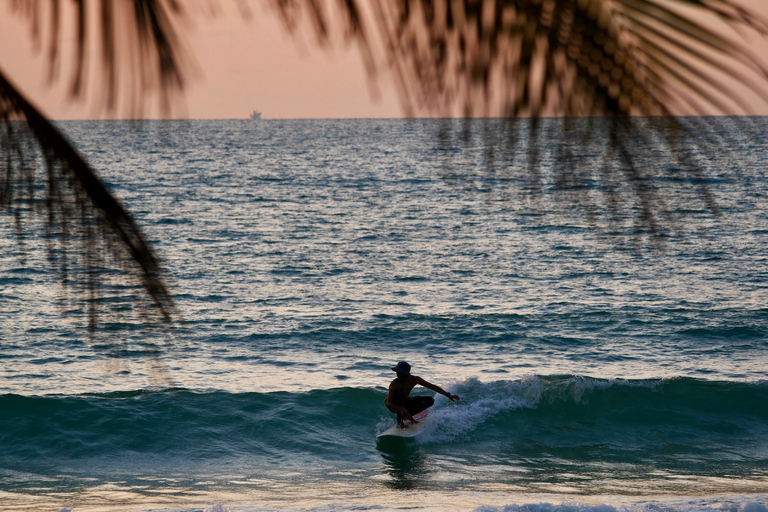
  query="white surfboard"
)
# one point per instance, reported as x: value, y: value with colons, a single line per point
x: 412, y: 429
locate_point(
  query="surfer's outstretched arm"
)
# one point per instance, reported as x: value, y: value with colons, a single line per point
x: 437, y: 389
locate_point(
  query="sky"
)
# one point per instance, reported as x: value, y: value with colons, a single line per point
x: 240, y: 65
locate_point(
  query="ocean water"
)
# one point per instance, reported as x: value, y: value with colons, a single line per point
x: 308, y: 257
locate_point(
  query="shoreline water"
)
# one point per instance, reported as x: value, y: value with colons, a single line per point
x: 409, y: 500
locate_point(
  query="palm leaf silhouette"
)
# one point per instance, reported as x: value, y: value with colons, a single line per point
x: 618, y: 74
x: 91, y: 236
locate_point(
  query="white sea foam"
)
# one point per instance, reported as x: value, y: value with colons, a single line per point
x: 483, y: 401
x: 218, y: 507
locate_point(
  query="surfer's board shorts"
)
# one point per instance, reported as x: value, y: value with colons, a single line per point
x: 415, y: 404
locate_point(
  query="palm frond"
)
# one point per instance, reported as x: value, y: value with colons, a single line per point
x: 86, y: 226
x: 91, y: 236
x: 640, y: 64
x: 126, y: 51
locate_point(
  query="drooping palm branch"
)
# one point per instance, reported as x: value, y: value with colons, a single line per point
x: 90, y: 235
x: 78, y: 208
x: 572, y: 58
x: 618, y: 74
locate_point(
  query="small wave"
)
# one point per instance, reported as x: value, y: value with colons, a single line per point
x: 701, y: 426
x: 742, y: 332
x: 536, y: 416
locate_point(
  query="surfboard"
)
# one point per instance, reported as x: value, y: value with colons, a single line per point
x: 413, y: 429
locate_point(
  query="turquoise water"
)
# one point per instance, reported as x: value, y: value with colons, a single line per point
x: 307, y: 257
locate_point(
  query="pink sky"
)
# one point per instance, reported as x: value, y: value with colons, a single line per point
x: 243, y: 65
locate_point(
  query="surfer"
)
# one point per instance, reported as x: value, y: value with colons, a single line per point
x: 406, y: 406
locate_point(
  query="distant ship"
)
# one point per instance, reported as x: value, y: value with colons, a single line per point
x: 256, y: 115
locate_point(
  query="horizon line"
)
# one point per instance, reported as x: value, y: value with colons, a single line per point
x: 404, y: 118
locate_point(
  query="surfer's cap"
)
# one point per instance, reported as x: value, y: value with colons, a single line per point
x: 402, y: 367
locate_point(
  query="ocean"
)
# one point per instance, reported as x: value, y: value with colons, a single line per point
x: 599, y: 370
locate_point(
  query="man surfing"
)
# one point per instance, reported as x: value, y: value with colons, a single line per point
x: 405, y: 406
